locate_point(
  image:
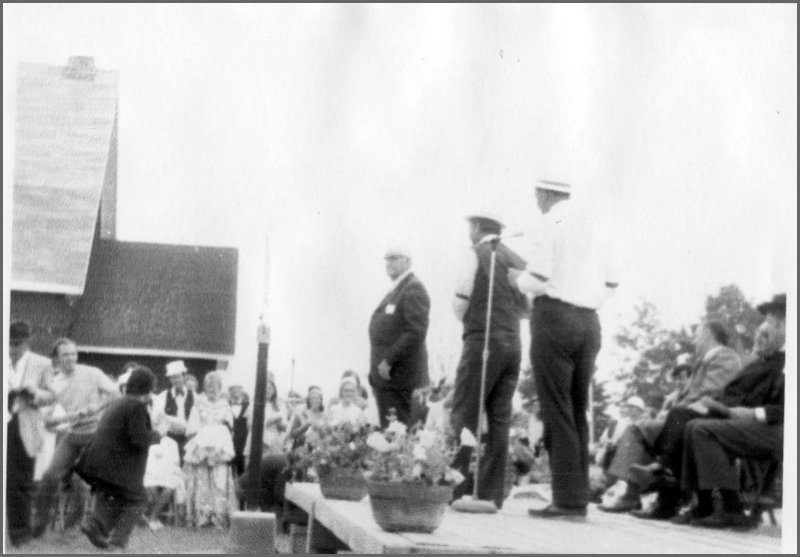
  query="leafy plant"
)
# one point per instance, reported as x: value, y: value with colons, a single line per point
x: 337, y: 446
x: 418, y: 455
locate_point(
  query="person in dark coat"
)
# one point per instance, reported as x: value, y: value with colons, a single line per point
x: 745, y: 420
x: 397, y: 331
x: 114, y: 463
x: 240, y: 405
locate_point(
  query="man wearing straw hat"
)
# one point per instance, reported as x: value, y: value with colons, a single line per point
x: 471, y: 305
x: 175, y: 402
x: 569, y: 273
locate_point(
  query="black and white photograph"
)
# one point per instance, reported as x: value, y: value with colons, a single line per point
x: 400, y: 278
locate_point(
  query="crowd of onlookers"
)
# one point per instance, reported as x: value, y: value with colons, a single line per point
x: 192, y: 446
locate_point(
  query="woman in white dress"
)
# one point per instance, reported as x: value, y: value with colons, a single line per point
x: 210, y: 494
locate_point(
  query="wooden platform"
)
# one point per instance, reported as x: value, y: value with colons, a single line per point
x: 343, y: 525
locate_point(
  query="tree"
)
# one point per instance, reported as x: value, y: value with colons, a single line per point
x: 737, y: 314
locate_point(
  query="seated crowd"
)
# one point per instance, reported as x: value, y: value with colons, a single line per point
x: 198, y: 443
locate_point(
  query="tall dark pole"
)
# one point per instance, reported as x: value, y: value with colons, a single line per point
x: 253, y: 493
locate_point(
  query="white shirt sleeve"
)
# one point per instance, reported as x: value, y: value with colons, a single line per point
x: 540, y: 259
x: 465, y: 281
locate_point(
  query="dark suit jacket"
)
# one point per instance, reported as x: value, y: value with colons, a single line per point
x: 116, y: 458
x: 240, y: 430
x: 397, y: 333
x: 760, y: 384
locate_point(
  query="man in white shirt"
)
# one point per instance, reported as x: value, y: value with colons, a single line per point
x: 569, y: 273
x: 177, y: 402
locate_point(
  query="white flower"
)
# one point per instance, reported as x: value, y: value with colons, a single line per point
x: 427, y: 438
x: 397, y: 427
x: 377, y: 441
x: 467, y: 439
x: 420, y: 453
x: 455, y: 475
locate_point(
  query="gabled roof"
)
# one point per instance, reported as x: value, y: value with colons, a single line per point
x: 64, y: 122
x: 158, y: 299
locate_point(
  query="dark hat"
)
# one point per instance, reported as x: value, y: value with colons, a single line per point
x: 19, y: 332
x: 776, y: 305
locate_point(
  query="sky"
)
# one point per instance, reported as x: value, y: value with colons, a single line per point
x: 312, y: 137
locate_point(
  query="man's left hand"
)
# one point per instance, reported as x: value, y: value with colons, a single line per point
x: 383, y: 370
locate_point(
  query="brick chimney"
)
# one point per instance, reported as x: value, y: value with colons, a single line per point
x: 80, y: 68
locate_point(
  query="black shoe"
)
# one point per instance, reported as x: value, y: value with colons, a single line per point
x: 553, y: 511
x: 97, y: 539
x: 656, y: 512
x: 652, y: 477
x: 38, y: 530
x: 688, y: 516
x: 723, y: 519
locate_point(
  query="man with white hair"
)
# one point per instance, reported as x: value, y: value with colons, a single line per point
x: 397, y: 331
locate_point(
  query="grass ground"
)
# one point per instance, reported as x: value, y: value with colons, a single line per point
x: 143, y: 541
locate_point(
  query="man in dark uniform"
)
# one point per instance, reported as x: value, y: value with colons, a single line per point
x: 502, y: 370
x: 239, y: 406
x: 570, y: 272
x: 397, y: 331
x: 699, y: 442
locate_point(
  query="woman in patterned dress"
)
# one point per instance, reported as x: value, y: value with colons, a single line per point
x: 210, y: 494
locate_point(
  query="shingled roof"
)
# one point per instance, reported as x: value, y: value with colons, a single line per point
x: 64, y: 124
x: 158, y: 299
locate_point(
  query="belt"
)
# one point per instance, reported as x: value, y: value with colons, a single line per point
x: 556, y: 301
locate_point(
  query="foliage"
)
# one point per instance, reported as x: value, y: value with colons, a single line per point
x: 740, y: 318
x: 336, y: 446
x: 418, y: 456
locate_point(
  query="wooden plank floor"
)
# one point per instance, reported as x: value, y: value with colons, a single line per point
x: 513, y: 531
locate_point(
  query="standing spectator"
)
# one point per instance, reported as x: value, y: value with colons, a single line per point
x: 471, y: 304
x: 114, y: 464
x: 570, y: 272
x: 82, y: 391
x: 177, y: 401
x: 191, y: 384
x: 240, y: 405
x: 313, y: 414
x: 274, y: 460
x: 28, y: 386
x: 397, y: 331
x: 210, y: 495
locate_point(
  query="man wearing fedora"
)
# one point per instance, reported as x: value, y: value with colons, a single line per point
x: 570, y: 273
x: 701, y: 440
x: 508, y: 306
x: 397, y: 331
x: 176, y: 402
x: 28, y: 380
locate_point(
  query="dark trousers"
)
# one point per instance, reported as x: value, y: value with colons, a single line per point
x: 669, y: 443
x: 399, y: 399
x: 502, y: 372
x: 712, y: 445
x: 115, y: 516
x: 19, y: 483
x: 565, y: 341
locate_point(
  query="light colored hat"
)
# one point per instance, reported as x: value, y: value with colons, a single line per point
x: 636, y: 402
x: 176, y: 368
x: 485, y: 215
x: 560, y: 187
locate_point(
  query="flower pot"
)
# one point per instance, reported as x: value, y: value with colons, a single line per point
x: 402, y: 507
x: 343, y: 484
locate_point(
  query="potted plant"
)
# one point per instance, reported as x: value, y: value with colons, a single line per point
x: 410, y: 481
x: 338, y: 453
